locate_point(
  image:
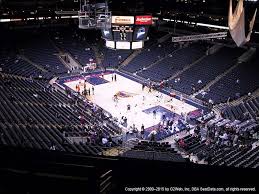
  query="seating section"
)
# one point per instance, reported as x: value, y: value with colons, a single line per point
x: 11, y: 61
x: 172, y: 63
x: 224, y: 142
x: 38, y: 48
x: 15, y: 65
x: 112, y: 58
x: 154, y: 151
x: 32, y: 114
x: 206, y: 70
x: 150, y: 55
x: 248, y: 109
x: 228, y: 156
x: 71, y: 42
x: 155, y: 35
x: 240, y: 81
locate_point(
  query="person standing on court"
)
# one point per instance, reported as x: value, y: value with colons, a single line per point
x: 154, y: 114
x: 93, y: 90
x: 143, y: 87
x: 115, y: 78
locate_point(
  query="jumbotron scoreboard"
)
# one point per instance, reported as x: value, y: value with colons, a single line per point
x: 127, y: 32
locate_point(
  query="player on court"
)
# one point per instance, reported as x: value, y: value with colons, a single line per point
x: 143, y: 99
x: 128, y: 107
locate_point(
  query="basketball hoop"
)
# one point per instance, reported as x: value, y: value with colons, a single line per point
x: 94, y: 16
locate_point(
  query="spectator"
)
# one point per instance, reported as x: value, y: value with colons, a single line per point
x: 152, y: 137
x: 223, y: 138
x: 182, y: 143
x: 53, y: 147
x: 142, y: 131
x: 104, y: 141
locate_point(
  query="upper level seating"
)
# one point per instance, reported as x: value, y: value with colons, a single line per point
x: 150, y: 55
x: 71, y: 42
x: 248, y: 109
x: 206, y: 70
x: 32, y: 114
x: 13, y: 64
x: 8, y: 42
x: 112, y: 58
x: 154, y: 151
x: 173, y: 63
x: 240, y: 81
x: 154, y: 34
x: 38, y: 48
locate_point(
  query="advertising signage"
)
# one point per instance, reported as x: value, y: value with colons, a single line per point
x: 143, y: 20
x: 123, y: 20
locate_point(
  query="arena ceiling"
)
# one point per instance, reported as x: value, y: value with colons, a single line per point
x: 205, y: 11
x: 217, y: 7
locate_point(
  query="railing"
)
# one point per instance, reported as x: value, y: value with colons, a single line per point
x: 78, y: 139
x: 105, y: 182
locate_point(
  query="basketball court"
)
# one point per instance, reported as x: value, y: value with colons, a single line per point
x: 142, y: 102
